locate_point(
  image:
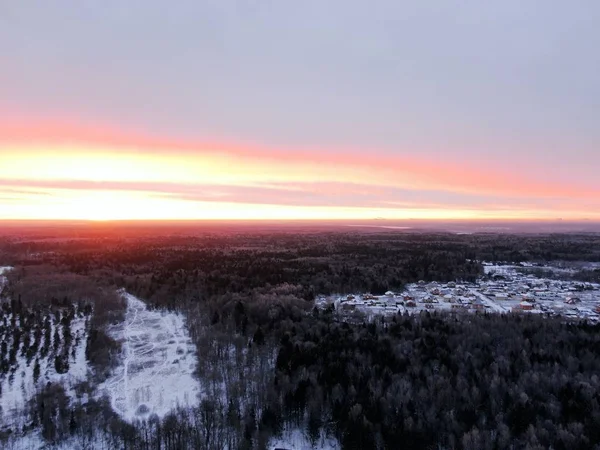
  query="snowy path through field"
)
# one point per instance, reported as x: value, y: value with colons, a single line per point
x: 158, y: 364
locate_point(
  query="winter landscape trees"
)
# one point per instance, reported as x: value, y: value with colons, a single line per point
x: 271, y: 364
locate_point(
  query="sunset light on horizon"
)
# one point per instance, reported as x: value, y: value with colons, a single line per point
x: 208, y: 117
x: 81, y: 180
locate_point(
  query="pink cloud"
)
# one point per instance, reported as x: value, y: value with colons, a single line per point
x: 377, y: 167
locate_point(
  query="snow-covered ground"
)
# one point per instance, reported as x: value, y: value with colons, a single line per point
x: 159, y: 361
x: 3, y: 270
x: 19, y: 385
x: 493, y: 306
x: 296, y: 439
x: 504, y: 270
x: 34, y: 441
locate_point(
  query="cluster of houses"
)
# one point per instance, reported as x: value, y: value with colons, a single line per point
x: 502, y: 291
x: 526, y: 292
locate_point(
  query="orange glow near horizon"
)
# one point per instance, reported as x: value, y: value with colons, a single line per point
x: 98, y: 205
x: 133, y: 177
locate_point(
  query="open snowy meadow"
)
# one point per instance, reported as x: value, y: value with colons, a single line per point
x: 159, y: 359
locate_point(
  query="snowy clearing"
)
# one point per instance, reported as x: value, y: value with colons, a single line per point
x: 297, y: 439
x: 3, y: 270
x: 159, y: 361
x: 19, y: 385
x: 34, y: 441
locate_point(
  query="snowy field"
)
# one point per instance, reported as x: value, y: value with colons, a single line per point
x: 19, y: 385
x: 159, y: 360
x: 3, y: 270
x: 504, y: 270
x: 296, y: 439
x: 34, y: 441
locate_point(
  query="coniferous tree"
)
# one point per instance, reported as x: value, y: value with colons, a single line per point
x: 36, y: 371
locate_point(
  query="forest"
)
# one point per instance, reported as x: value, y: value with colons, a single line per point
x: 438, y: 381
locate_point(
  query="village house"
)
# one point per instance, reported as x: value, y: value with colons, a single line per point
x: 525, y: 305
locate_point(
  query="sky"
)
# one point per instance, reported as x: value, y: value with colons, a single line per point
x: 319, y: 109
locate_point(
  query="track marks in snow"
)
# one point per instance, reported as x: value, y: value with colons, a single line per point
x: 157, y: 371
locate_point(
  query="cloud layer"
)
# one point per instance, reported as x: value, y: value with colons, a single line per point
x: 67, y: 166
x: 306, y: 109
